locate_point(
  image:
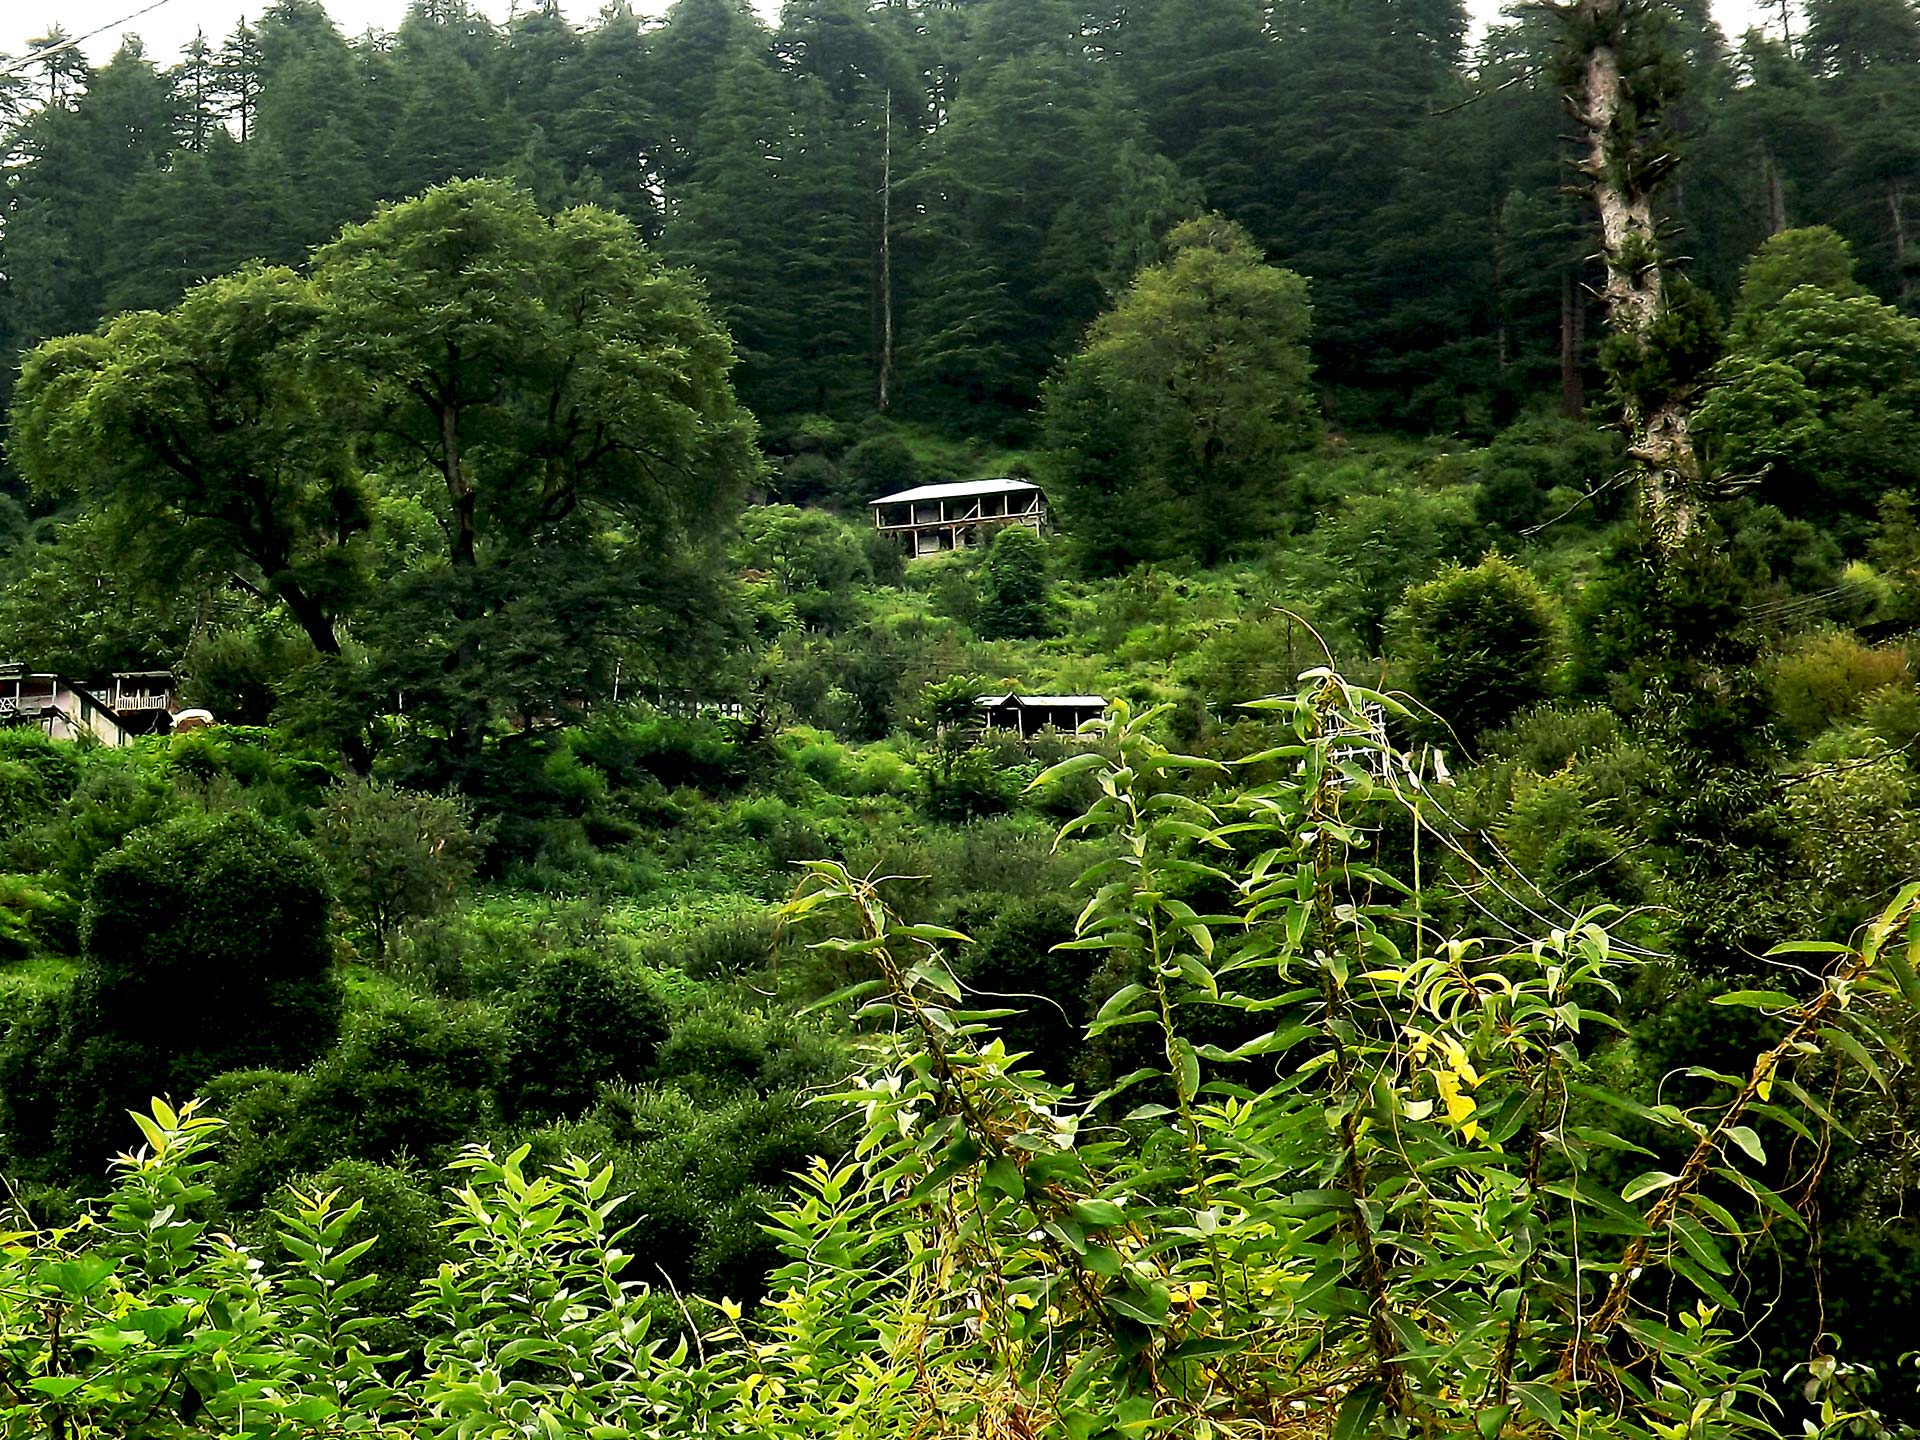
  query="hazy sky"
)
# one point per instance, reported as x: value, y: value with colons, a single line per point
x: 171, y: 23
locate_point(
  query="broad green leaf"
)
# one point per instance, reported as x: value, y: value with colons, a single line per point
x: 1003, y: 1175
x: 1745, y: 1137
x: 1758, y: 999
x: 1355, y: 1419
x: 1648, y: 1184
x: 1148, y: 1306
x: 1855, y: 1051
x: 1098, y: 1214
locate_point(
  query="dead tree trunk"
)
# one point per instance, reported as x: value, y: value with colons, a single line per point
x: 885, y: 397
x: 1615, y: 99
x: 1897, y: 212
x: 1573, y: 345
x: 1776, y: 194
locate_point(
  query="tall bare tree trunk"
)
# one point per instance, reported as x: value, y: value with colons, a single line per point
x: 1573, y: 344
x: 1776, y: 194
x: 1622, y: 170
x: 885, y: 397
x: 1897, y: 210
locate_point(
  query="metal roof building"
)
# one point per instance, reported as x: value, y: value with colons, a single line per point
x: 930, y: 519
x: 1029, y: 713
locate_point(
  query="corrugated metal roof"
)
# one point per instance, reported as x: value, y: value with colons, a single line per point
x: 956, y: 490
x: 1045, y: 702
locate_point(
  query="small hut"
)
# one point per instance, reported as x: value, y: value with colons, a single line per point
x: 1029, y: 714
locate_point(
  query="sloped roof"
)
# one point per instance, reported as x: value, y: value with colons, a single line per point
x: 956, y: 490
x: 1047, y: 702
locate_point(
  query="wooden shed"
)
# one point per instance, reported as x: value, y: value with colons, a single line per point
x: 1029, y: 714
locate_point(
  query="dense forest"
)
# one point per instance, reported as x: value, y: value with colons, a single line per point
x: 599, y: 975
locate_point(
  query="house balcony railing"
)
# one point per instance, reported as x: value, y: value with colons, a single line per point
x: 974, y: 516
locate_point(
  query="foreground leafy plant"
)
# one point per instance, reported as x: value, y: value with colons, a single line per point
x: 1386, y: 1210
x: 1366, y: 1183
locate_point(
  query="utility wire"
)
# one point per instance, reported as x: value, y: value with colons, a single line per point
x: 36, y: 57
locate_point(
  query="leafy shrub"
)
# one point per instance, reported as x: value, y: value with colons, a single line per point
x: 1549, y: 738
x: 395, y: 856
x: 32, y: 1088
x: 886, y: 558
x: 1016, y: 596
x: 1360, y: 559
x: 580, y: 1020
x: 726, y: 948
x: 1478, y: 646
x: 36, y: 775
x: 1537, y: 464
x: 721, y: 1051
x: 206, y: 949
x: 881, y: 771
x: 879, y: 465
x: 809, y: 479
x: 1590, y: 867
x: 1251, y: 657
x: 627, y: 747
x: 530, y: 789
x: 703, y: 1188
x: 1014, y: 963
x: 399, y: 1220
x: 26, y: 908
x: 813, y: 561
x: 967, y: 785
x: 1828, y: 677
x: 116, y: 798
x: 818, y: 756
x: 1857, y: 826
x: 1893, y: 716
x: 266, y: 1146
x: 412, y: 1078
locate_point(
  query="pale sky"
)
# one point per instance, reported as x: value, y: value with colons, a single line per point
x: 171, y: 23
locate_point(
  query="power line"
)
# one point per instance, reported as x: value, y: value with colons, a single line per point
x: 35, y: 58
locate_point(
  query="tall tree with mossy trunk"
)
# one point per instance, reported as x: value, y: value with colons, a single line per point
x: 1621, y: 75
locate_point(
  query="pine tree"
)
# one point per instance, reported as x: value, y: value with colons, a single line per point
x: 1376, y: 187
x: 1206, y: 74
x: 203, y: 216
x: 611, y: 134
x: 237, y: 78
x: 1033, y: 202
x: 770, y: 150
x: 700, y: 41
x: 537, y: 71
x: 66, y: 229
x: 447, y: 128
x: 62, y: 72
x: 13, y: 93
x: 1867, y: 52
x: 313, y: 135
x: 196, y: 80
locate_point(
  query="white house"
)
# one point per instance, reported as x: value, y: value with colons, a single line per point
x: 933, y: 518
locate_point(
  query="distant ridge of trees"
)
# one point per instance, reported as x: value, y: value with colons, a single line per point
x: 928, y: 204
